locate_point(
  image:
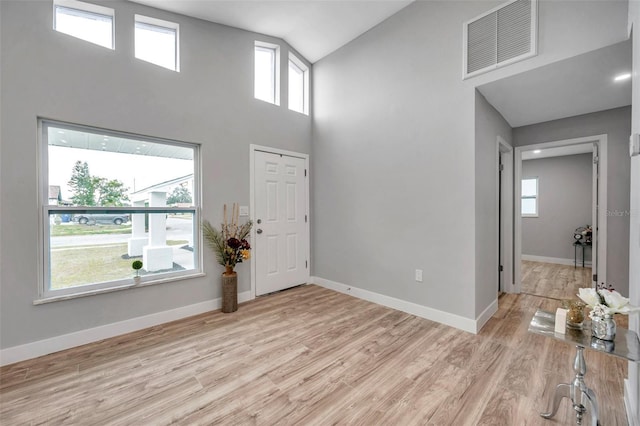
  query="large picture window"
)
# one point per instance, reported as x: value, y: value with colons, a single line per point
x: 110, y: 198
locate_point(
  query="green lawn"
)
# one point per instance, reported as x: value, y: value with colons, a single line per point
x: 73, y: 229
x: 74, y: 266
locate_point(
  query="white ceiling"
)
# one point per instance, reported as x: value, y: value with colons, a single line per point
x: 315, y: 28
x: 574, y: 86
x: 558, y: 152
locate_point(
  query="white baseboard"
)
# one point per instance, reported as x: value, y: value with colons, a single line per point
x: 453, y: 320
x: 556, y: 260
x: 82, y: 337
x: 486, y: 315
x: 630, y: 405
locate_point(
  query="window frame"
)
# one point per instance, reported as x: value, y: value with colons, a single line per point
x: 165, y: 25
x: 260, y: 45
x: 536, y: 197
x: 46, y: 294
x: 296, y: 62
x: 91, y: 9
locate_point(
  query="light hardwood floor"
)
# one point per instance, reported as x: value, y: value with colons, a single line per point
x: 552, y: 280
x: 311, y: 356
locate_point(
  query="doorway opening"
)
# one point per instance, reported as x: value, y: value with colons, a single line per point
x: 279, y: 209
x: 534, y: 270
x: 505, y: 216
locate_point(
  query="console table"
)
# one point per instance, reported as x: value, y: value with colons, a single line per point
x: 626, y: 345
x: 575, y: 252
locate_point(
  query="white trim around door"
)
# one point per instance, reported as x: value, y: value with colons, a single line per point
x: 601, y: 202
x: 504, y: 157
x: 253, y: 148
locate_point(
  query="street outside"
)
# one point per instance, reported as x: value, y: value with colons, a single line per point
x: 177, y: 229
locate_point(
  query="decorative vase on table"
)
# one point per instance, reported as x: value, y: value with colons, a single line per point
x: 575, y: 314
x: 229, y: 290
x: 604, y: 302
x: 603, y: 328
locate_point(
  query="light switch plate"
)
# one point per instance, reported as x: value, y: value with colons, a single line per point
x: 634, y: 144
x: 244, y: 210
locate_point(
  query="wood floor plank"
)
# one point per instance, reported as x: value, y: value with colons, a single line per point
x: 312, y: 356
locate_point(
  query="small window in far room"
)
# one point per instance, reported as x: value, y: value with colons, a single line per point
x: 86, y: 21
x: 529, y: 197
x: 298, y: 85
x: 157, y: 42
x: 267, y: 72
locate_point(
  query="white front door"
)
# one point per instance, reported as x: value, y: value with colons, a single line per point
x: 281, y: 237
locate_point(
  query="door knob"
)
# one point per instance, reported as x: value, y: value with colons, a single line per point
x: 259, y: 221
x: 259, y: 231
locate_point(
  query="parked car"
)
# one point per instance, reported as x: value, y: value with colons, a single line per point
x: 116, y: 219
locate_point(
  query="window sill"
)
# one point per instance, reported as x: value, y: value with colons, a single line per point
x: 52, y: 299
x: 529, y: 215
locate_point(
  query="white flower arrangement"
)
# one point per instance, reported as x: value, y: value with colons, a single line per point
x: 605, y: 302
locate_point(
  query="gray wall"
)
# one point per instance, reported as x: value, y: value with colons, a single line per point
x: 616, y: 124
x: 564, y: 204
x: 489, y: 125
x: 394, y: 149
x: 210, y: 101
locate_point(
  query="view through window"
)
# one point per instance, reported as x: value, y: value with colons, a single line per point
x: 113, y: 198
x: 157, y: 42
x: 86, y: 21
x: 298, y: 85
x: 530, y: 197
x: 266, y: 73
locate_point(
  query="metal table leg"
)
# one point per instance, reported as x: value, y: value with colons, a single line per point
x: 577, y: 391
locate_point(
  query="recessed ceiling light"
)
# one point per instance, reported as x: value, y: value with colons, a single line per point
x: 622, y: 77
x: 537, y: 151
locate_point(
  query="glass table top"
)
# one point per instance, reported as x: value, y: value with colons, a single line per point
x: 626, y: 344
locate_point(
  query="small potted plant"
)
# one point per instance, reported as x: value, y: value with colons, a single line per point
x: 136, y: 265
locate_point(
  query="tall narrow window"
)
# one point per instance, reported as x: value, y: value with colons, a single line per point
x: 86, y: 21
x: 529, y: 197
x: 298, y: 85
x: 157, y: 42
x: 110, y: 198
x: 267, y: 72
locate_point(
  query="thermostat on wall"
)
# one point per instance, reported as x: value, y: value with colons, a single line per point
x: 634, y: 144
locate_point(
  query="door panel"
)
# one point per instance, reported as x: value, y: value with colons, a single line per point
x: 281, y: 231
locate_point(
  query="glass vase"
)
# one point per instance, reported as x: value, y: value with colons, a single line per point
x: 603, y: 328
x: 575, y: 313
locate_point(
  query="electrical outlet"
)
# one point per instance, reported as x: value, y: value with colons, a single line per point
x: 419, y: 275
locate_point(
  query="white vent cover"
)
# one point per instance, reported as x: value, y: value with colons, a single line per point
x: 500, y: 37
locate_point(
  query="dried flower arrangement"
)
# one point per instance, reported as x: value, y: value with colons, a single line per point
x: 230, y: 242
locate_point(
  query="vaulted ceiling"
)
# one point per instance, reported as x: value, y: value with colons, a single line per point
x: 315, y: 28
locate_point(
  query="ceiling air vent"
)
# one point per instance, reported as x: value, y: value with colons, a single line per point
x: 500, y: 37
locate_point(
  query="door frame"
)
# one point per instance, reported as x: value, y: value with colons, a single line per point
x: 253, y: 148
x: 601, y: 235
x: 505, y: 221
